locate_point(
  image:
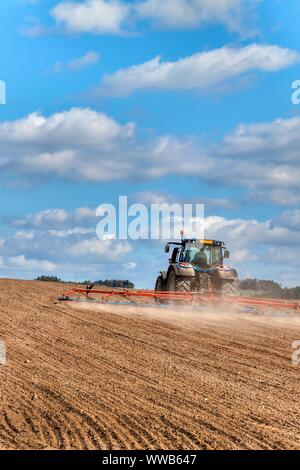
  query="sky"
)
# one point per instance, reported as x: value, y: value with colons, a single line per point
x: 185, y: 101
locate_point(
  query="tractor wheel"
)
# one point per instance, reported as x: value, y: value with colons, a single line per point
x: 178, y: 283
x: 230, y: 288
x: 183, y: 284
x: 159, y: 287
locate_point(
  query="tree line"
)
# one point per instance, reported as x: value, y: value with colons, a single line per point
x: 270, y: 289
x: 115, y: 283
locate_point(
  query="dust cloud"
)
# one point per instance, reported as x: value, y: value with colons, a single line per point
x: 197, y: 317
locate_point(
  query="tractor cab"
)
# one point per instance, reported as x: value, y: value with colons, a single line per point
x: 203, y: 253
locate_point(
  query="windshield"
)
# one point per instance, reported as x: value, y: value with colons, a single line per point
x: 203, y: 256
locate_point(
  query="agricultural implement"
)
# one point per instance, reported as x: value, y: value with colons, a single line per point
x: 193, y: 299
x: 197, y: 276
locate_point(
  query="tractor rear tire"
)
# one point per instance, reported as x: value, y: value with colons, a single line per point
x: 178, y: 283
x: 230, y: 289
x: 183, y: 284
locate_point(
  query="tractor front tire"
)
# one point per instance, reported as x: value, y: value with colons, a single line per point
x: 159, y: 287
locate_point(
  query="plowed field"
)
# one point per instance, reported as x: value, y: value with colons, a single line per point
x: 112, y: 377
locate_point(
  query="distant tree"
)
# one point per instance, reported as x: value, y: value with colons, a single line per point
x: 114, y: 283
x: 270, y: 289
x: 257, y: 284
x: 248, y: 284
x: 291, y: 293
x: 48, y: 279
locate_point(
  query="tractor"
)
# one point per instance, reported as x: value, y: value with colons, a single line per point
x: 198, y: 266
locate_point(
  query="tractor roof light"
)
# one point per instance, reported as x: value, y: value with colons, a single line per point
x: 212, y: 242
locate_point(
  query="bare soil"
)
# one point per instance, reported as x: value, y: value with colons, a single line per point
x: 114, y: 377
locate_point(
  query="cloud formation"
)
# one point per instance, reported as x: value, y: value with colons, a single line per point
x: 92, y: 16
x: 82, y: 144
x: 90, y: 58
x: 53, y: 241
x: 190, y: 14
x: 77, y: 64
x: 120, y: 17
x: 201, y: 71
x: 54, y: 219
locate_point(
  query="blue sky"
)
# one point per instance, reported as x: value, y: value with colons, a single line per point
x: 91, y: 115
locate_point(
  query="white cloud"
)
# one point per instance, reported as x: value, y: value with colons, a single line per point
x: 86, y: 60
x: 108, y: 250
x: 66, y: 144
x: 191, y: 14
x: 201, y: 71
x: 75, y: 65
x: 284, y: 256
x: 242, y: 255
x: 34, y: 28
x: 289, y: 219
x: 23, y: 234
x: 73, y: 125
x: 92, y: 16
x: 55, y: 68
x: 211, y: 204
x: 71, y: 231
x: 248, y: 234
x: 21, y: 261
x: 42, y: 219
x: 85, y: 145
x: 278, y: 196
x: 150, y: 197
x: 118, y: 17
x: 259, y: 248
x: 51, y: 242
x: 54, y: 219
x: 129, y: 266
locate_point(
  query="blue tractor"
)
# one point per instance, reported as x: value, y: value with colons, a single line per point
x: 198, y: 266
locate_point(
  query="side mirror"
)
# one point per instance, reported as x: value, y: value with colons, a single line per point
x: 226, y: 254
x: 167, y: 248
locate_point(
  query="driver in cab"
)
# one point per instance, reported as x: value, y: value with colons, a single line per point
x: 200, y: 259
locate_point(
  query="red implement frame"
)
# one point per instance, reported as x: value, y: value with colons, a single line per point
x: 186, y: 297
